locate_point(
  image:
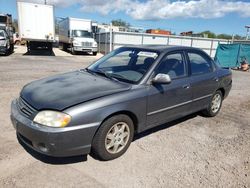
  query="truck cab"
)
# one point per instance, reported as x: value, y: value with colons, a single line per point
x: 83, y: 41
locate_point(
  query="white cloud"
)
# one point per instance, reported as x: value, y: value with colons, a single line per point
x: 160, y: 9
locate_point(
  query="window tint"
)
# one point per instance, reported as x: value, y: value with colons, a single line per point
x: 173, y: 65
x: 121, y: 59
x: 199, y: 65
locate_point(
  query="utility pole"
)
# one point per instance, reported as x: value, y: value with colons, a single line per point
x: 110, y: 37
x: 45, y: 2
x: 247, y: 27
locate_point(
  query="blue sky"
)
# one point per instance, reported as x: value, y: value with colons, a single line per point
x: 218, y: 16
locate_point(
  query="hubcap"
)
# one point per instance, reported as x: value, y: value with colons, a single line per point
x: 117, y: 137
x: 216, y: 102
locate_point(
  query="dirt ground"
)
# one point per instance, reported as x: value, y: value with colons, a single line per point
x: 191, y: 152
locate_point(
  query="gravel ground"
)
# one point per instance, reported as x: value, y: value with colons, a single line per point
x: 191, y: 152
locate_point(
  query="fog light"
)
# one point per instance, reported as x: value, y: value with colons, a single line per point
x: 43, y: 147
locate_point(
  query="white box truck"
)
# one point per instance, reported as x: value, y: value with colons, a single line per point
x: 76, y: 34
x: 36, y: 24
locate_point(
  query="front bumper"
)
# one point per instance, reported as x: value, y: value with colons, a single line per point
x: 58, y: 142
x: 85, y: 49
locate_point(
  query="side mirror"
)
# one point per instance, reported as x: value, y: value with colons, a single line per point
x: 161, y: 79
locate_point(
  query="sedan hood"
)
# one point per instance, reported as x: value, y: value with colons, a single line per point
x: 65, y: 90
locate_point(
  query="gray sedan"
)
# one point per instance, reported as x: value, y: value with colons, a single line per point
x: 99, y: 109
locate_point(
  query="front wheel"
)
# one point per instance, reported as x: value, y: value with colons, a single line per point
x: 94, y: 53
x: 113, y: 137
x: 214, y: 105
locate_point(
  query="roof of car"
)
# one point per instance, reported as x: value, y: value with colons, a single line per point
x: 160, y: 48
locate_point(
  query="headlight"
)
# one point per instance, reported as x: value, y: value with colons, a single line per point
x: 95, y: 44
x: 76, y: 43
x: 52, y: 118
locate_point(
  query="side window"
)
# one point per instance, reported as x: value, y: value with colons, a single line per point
x: 173, y: 65
x: 199, y: 64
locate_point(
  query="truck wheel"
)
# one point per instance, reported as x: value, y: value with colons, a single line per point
x: 50, y: 48
x: 214, y: 105
x: 73, y: 52
x: 113, y: 137
x: 18, y: 43
x: 64, y: 47
x: 94, y: 53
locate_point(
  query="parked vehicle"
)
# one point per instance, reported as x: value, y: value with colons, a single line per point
x: 36, y: 25
x: 76, y: 34
x: 130, y: 90
x: 17, y: 39
x: 5, y: 43
x: 7, y: 30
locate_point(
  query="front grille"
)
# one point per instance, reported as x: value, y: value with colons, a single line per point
x: 25, y: 108
x: 87, y: 44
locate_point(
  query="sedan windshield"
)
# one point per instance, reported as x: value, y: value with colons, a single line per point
x: 125, y: 64
x: 82, y: 33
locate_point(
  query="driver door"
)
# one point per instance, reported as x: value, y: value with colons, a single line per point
x: 167, y: 102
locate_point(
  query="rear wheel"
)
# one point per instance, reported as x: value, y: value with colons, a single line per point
x: 113, y: 137
x: 214, y: 105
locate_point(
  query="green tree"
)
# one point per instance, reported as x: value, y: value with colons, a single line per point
x: 120, y: 23
x: 208, y: 34
x: 224, y: 36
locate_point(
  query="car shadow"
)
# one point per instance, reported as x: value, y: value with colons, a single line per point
x: 164, y: 126
x: 40, y: 52
x: 53, y: 160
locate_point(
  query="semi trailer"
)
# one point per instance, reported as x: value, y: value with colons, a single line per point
x: 36, y: 24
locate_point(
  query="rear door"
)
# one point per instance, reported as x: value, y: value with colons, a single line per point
x: 204, y: 79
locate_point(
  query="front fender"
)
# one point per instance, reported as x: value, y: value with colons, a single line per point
x: 96, y: 111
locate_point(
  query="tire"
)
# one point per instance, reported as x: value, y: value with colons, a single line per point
x: 7, y: 51
x: 18, y: 43
x: 214, y: 105
x: 120, y: 129
x: 94, y: 53
x: 73, y: 52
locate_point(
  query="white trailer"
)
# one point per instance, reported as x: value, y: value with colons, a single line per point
x: 76, y: 34
x: 36, y: 24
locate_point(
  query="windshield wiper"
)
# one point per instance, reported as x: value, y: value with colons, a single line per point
x: 101, y: 72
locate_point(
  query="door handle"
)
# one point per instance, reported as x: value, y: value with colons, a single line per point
x: 186, y: 86
x: 216, y: 79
